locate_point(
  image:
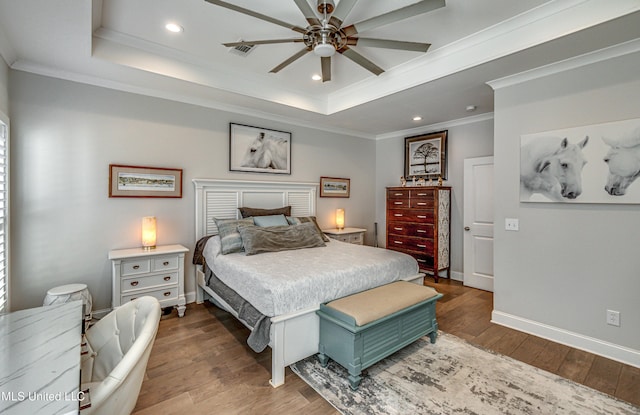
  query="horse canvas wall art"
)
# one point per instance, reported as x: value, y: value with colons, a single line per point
x: 259, y: 150
x: 591, y: 164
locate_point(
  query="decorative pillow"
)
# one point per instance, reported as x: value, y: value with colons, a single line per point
x: 257, y: 240
x: 229, y: 235
x: 247, y: 212
x: 306, y: 219
x: 271, y: 220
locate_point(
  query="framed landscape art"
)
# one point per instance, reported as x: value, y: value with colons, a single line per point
x: 140, y: 181
x: 334, y: 187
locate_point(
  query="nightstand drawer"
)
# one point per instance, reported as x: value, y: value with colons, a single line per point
x: 164, y: 263
x: 162, y: 294
x: 343, y: 238
x: 135, y: 266
x: 132, y: 283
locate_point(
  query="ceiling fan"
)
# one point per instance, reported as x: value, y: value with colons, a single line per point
x: 325, y: 34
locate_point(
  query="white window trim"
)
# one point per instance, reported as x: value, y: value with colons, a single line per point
x: 4, y: 123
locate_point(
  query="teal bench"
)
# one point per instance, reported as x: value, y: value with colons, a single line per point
x: 360, y: 330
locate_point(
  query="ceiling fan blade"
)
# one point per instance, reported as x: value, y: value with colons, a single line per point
x: 415, y: 9
x: 326, y: 68
x: 341, y: 12
x: 307, y: 11
x: 389, y: 44
x: 289, y: 61
x: 360, y: 60
x: 256, y: 15
x: 262, y: 42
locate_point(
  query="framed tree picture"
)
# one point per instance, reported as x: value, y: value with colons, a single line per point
x: 426, y: 156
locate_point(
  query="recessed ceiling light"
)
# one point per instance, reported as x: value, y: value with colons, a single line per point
x: 316, y: 77
x: 417, y: 118
x: 471, y: 108
x: 174, y: 27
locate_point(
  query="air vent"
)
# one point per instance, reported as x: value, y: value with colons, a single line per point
x: 242, y: 50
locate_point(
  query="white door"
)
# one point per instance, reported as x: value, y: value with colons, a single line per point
x: 478, y: 223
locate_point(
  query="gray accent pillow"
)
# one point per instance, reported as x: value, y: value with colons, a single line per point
x: 230, y: 240
x: 247, y: 212
x: 271, y: 220
x: 257, y: 240
x: 307, y: 219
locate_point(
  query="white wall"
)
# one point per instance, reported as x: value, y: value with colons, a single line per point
x: 474, y: 139
x: 4, y: 82
x: 569, y: 263
x: 65, y: 135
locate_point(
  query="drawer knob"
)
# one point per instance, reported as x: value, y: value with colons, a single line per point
x: 165, y: 263
x: 133, y: 298
x: 422, y: 204
x: 422, y: 194
x: 168, y: 293
x: 397, y: 242
x: 398, y: 229
x: 421, y: 231
x: 134, y: 283
x: 422, y: 216
x: 422, y: 246
x: 397, y: 194
x: 167, y: 278
x: 136, y: 267
x: 398, y: 214
x: 397, y: 203
x: 421, y: 260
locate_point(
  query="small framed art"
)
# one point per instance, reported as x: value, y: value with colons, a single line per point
x: 334, y: 187
x: 141, y: 181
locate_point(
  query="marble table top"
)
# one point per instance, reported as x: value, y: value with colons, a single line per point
x: 40, y: 360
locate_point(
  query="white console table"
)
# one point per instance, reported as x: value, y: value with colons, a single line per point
x: 40, y: 360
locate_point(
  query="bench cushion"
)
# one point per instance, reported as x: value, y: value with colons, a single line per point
x: 372, y: 305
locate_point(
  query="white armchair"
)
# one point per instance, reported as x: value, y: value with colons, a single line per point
x: 119, y: 347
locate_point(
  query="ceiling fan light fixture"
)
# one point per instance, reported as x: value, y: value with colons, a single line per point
x: 324, y: 50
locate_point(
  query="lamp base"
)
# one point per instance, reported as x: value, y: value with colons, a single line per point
x: 149, y: 248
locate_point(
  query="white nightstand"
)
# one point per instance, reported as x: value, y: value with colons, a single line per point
x: 351, y: 235
x: 157, y: 272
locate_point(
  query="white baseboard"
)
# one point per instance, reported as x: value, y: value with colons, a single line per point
x: 457, y: 276
x: 190, y: 297
x: 610, y: 350
x: 98, y: 314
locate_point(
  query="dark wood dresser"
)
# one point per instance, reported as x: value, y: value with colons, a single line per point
x: 418, y: 223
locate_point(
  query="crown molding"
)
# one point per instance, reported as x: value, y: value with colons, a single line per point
x: 437, y: 126
x: 611, y: 52
x: 38, y: 69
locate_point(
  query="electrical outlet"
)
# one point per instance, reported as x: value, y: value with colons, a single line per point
x: 511, y: 224
x: 613, y: 318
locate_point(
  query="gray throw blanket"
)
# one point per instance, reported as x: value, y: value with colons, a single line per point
x: 259, y: 338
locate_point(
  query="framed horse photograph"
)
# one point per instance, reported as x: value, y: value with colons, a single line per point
x: 259, y: 150
x: 596, y: 163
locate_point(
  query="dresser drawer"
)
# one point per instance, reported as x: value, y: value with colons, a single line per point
x: 398, y: 193
x: 162, y: 294
x: 398, y: 203
x: 410, y: 229
x: 422, y: 194
x: 410, y: 215
x: 164, y: 263
x: 147, y: 281
x: 411, y: 244
x: 421, y: 203
x: 135, y: 266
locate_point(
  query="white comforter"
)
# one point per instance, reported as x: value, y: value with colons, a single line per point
x: 277, y: 283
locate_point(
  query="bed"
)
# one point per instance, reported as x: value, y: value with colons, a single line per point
x: 293, y: 325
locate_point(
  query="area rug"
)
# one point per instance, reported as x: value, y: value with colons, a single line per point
x: 455, y: 377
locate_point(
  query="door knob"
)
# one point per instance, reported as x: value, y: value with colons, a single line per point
x: 466, y: 228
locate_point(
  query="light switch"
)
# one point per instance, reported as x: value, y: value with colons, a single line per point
x: 511, y: 224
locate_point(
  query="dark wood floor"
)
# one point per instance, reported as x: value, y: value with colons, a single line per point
x: 200, y: 364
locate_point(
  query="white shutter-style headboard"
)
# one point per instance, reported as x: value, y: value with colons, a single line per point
x: 221, y: 199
